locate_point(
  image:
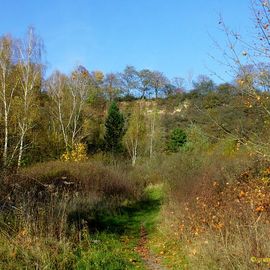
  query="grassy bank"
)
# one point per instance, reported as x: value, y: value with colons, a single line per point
x: 71, y: 219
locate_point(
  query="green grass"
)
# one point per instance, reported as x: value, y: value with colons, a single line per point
x: 112, y: 247
x: 107, y: 251
x: 169, y: 248
x: 130, y: 217
x: 109, y: 245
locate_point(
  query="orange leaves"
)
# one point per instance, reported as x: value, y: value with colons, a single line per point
x: 260, y: 208
x: 223, y: 205
x: 242, y: 194
x: 218, y: 226
x: 181, y: 227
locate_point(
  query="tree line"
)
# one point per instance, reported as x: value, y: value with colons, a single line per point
x: 42, y: 118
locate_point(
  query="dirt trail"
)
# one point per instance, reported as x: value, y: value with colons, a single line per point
x: 151, y: 261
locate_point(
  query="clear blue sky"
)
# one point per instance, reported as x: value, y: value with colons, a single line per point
x: 171, y: 36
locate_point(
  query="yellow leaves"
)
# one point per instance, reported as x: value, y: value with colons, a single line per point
x: 78, y: 153
x: 25, y: 239
x: 23, y: 232
x: 219, y: 225
x: 241, y: 82
x: 215, y: 184
x: 250, y: 106
x: 265, y: 180
x: 98, y: 75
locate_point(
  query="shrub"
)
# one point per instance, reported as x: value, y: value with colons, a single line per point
x: 78, y: 153
x: 44, y: 195
x: 218, y: 205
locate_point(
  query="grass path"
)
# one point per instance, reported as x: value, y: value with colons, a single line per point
x: 121, y: 242
x: 151, y: 261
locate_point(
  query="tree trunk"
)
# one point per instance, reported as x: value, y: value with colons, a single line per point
x: 6, y: 137
x: 20, y: 150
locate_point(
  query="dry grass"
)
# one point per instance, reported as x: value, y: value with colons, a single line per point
x: 46, y: 209
x: 65, y: 183
x: 218, y: 208
x: 229, y: 227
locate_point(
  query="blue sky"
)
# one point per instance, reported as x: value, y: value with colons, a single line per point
x: 172, y: 36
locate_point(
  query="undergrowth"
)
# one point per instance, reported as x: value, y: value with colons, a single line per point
x: 217, y: 211
x: 74, y: 216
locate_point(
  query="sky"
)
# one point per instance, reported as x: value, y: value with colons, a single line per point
x: 172, y: 36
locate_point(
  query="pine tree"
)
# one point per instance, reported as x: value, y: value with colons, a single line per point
x: 114, y: 132
x: 177, y: 139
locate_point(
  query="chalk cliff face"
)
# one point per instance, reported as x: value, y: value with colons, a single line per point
x: 160, y: 108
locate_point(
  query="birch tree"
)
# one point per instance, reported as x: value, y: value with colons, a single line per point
x: 56, y: 85
x: 8, y: 84
x: 29, y: 77
x: 134, y: 137
x: 69, y: 96
x: 79, y: 89
x: 154, y: 129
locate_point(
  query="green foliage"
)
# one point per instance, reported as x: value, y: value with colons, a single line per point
x: 134, y: 138
x: 198, y: 140
x: 114, y: 129
x: 177, y: 139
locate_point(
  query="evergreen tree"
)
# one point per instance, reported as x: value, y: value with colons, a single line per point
x: 177, y: 139
x: 114, y: 126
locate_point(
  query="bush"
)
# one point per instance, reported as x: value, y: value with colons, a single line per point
x: 78, y: 153
x: 45, y: 195
x: 218, y: 204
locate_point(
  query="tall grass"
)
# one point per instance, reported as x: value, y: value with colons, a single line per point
x: 49, y: 211
x: 218, y: 206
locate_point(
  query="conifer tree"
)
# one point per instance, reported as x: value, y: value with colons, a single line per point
x: 177, y: 139
x: 114, y: 132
